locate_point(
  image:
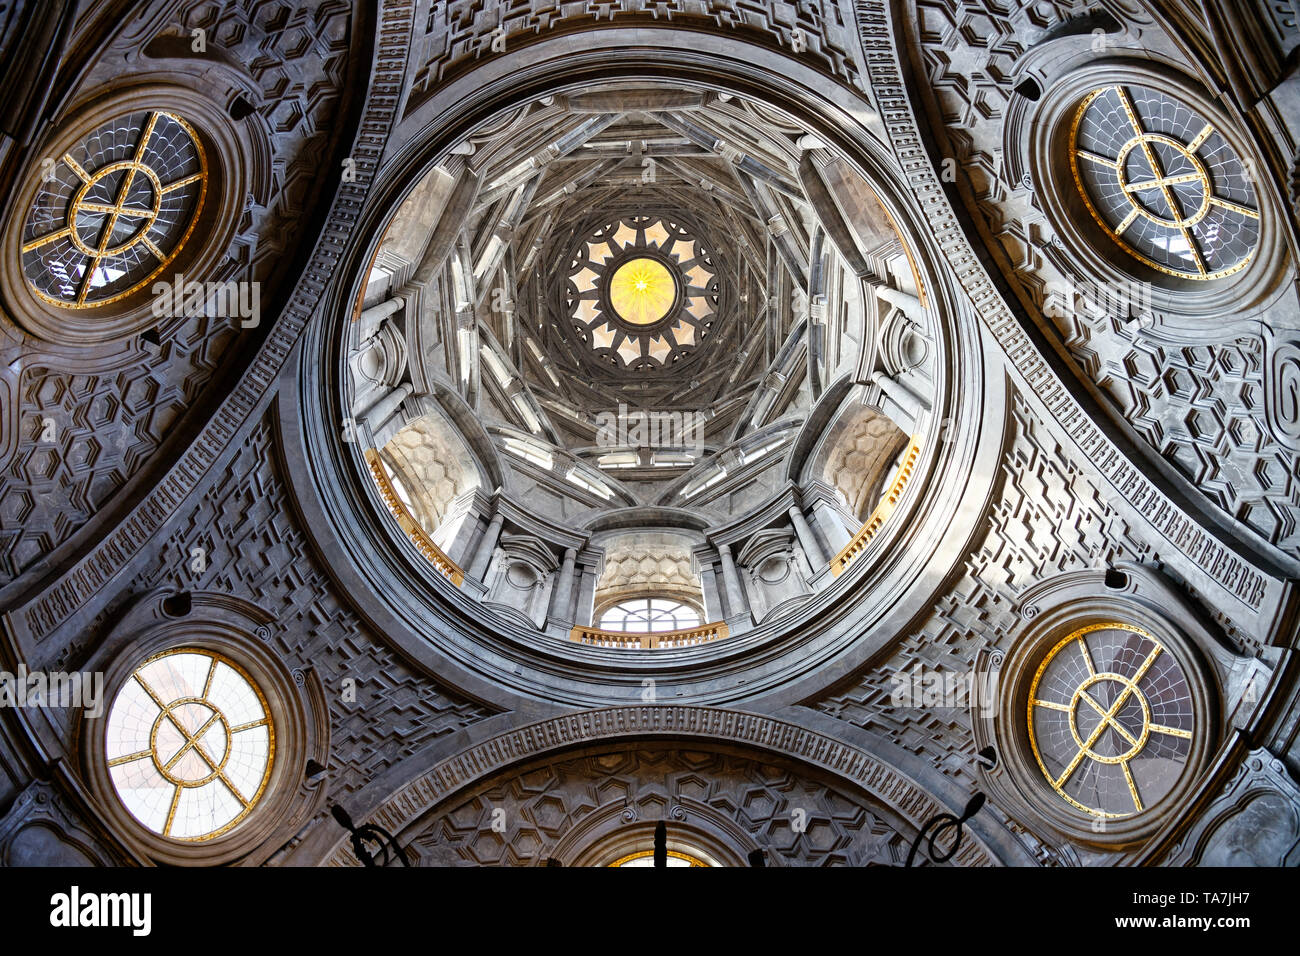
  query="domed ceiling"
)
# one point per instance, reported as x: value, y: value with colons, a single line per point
x: 639, y: 251
x: 775, y: 426
x: 674, y: 349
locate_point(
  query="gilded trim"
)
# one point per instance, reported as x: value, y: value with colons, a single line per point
x: 1081, y: 695
x: 133, y: 166
x: 1181, y: 224
x: 419, y: 537
x: 690, y: 637
x: 888, y: 502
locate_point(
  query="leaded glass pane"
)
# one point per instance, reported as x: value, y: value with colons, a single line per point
x: 114, y: 210
x: 1111, y: 720
x: 1164, y: 183
x: 189, y: 744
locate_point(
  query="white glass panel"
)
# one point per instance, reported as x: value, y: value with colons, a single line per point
x: 193, y: 767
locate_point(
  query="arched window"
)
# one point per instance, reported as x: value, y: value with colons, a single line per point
x: 647, y: 858
x: 654, y: 615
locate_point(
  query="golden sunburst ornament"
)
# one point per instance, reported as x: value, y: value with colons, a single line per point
x: 642, y: 291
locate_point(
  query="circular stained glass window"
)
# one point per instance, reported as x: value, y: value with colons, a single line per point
x: 1110, y: 720
x: 190, y: 744
x: 114, y: 210
x: 642, y: 291
x: 1164, y: 183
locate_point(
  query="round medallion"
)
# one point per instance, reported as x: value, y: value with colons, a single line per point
x: 190, y: 744
x: 642, y: 291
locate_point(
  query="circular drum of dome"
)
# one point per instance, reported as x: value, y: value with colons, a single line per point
x: 573, y: 248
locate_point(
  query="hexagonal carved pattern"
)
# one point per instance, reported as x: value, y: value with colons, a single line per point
x: 458, y: 34
x: 542, y: 804
x: 81, y: 437
x: 1202, y: 407
x: 254, y: 550
x: 105, y: 427
x: 860, y: 454
x: 1048, y: 517
x: 637, y: 567
x: 430, y: 460
x: 296, y: 56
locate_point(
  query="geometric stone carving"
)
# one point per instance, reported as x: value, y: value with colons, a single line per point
x: 479, y: 762
x: 434, y: 465
x: 862, y: 446
x: 108, y: 421
x: 43, y: 829
x: 644, y: 564
x: 1047, y: 517
x: 1210, y: 405
x: 1254, y: 822
x: 291, y: 105
x: 254, y: 551
x: 568, y: 807
x: 962, y: 45
x: 457, y: 33
x: 81, y: 437
x: 297, y: 61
